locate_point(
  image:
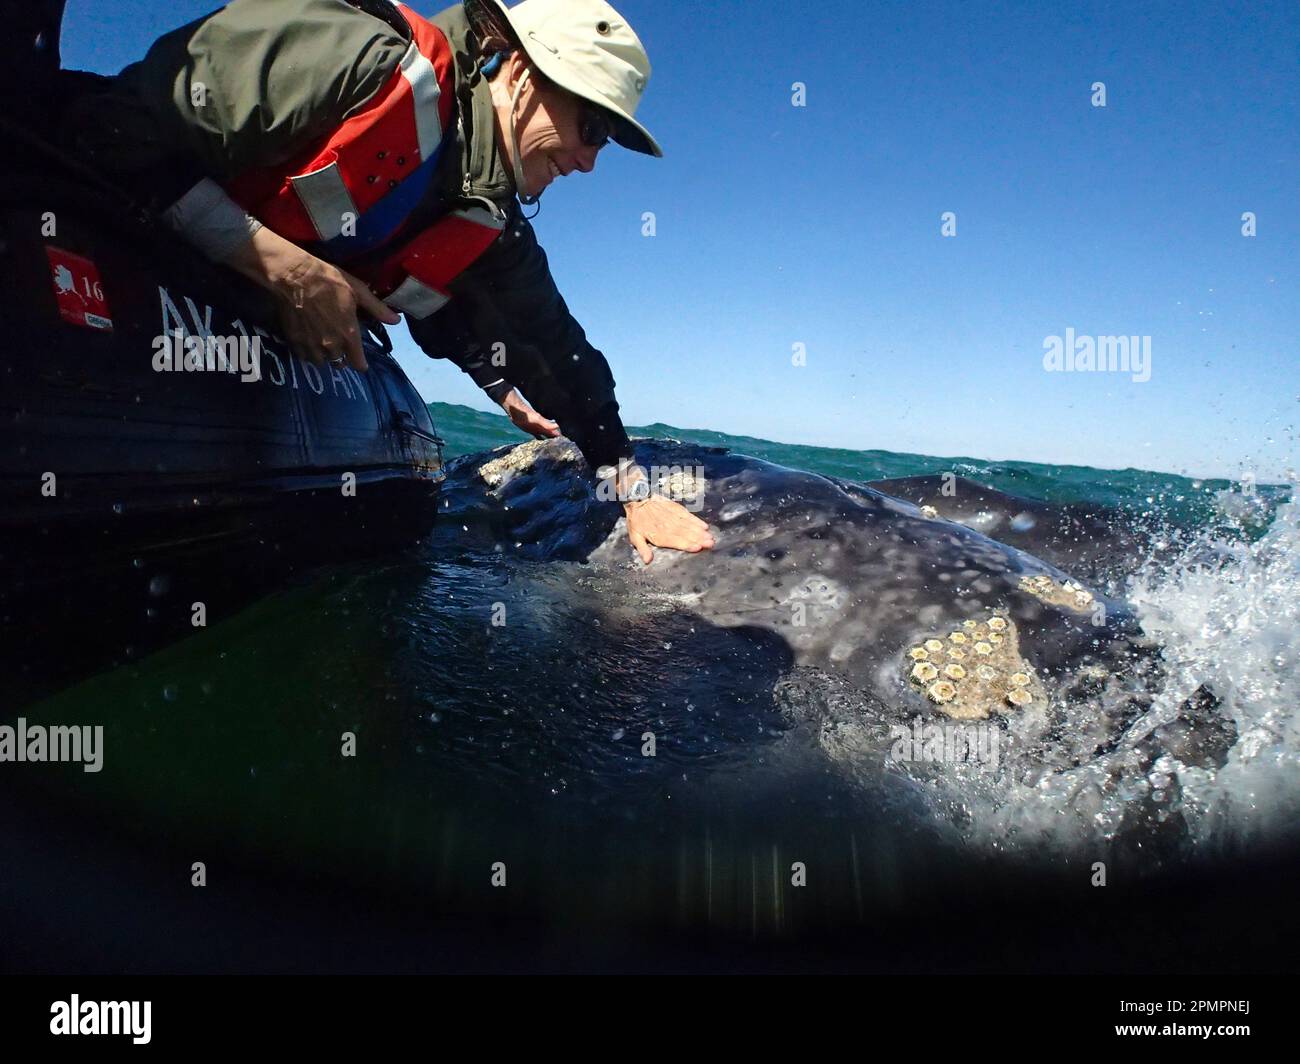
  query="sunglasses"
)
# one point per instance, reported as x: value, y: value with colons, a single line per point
x: 593, y: 127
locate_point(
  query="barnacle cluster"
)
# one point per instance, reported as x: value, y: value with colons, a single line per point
x: 1068, y: 594
x: 975, y: 669
x: 498, y: 471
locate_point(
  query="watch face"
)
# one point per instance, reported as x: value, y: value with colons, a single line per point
x: 639, y: 491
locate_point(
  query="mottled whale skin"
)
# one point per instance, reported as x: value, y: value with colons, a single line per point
x: 1094, y: 543
x: 848, y: 576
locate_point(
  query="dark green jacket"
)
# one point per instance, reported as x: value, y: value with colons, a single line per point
x: 274, y: 76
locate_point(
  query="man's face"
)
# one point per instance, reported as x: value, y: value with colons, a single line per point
x: 548, y: 122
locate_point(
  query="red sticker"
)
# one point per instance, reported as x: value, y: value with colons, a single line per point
x: 78, y: 289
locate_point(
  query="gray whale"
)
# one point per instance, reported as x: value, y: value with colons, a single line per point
x: 893, y: 598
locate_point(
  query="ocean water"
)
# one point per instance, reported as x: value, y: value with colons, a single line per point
x: 1179, y: 500
x: 522, y: 745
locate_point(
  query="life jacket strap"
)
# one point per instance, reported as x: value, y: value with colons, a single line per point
x: 416, y: 298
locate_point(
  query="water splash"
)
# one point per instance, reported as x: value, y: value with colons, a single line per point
x: 1227, y: 617
x: 1192, y: 753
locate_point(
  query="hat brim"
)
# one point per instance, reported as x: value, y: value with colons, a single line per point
x: 627, y: 131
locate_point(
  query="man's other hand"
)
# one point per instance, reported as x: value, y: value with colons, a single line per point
x: 528, y: 419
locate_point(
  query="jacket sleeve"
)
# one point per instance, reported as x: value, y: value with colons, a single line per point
x: 257, y: 81
x: 451, y: 333
x: 247, y: 86
x: 510, y: 298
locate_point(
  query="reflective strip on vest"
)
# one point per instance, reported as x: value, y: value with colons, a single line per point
x: 416, y: 298
x: 423, y: 80
x: 326, y: 200
x: 372, y: 174
x: 323, y: 193
x: 437, y: 256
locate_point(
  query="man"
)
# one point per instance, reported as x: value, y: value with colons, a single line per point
x: 301, y: 136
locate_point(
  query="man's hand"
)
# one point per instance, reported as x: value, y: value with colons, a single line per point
x: 528, y: 419
x: 318, y: 302
x: 664, y: 523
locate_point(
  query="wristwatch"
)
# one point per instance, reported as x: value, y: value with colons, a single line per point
x: 638, y: 492
x: 607, y: 490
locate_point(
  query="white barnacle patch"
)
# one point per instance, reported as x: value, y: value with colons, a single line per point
x: 683, y: 484
x: 996, y: 679
x: 1068, y: 593
x: 734, y: 510
x: 498, y: 472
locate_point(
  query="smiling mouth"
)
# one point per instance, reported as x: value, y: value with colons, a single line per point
x: 554, y: 167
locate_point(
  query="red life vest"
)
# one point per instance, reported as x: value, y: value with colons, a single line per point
x: 348, y: 195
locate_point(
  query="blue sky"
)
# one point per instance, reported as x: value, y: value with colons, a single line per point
x: 820, y: 225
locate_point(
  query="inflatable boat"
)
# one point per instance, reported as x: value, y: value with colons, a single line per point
x: 143, y: 494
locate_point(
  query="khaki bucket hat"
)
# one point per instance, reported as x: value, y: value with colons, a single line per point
x: 587, y: 47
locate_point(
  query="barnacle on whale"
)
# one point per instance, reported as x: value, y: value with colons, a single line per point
x: 1001, y: 682
x: 499, y: 470
x: 1068, y: 593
